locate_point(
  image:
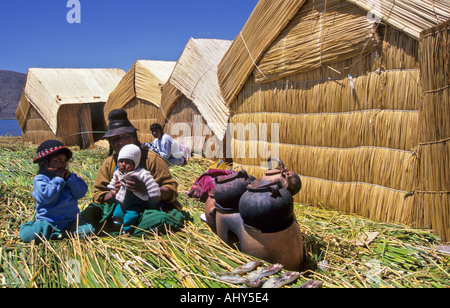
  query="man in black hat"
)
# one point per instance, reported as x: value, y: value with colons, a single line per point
x: 120, y: 133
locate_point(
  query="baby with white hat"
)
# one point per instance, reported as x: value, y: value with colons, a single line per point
x: 128, y: 169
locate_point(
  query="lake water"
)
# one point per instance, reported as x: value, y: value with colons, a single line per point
x: 10, y: 128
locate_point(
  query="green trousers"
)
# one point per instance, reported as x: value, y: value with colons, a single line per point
x: 153, y: 219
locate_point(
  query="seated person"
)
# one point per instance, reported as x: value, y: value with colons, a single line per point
x: 131, y: 203
x: 165, y: 146
x: 56, y: 191
x: 99, y: 213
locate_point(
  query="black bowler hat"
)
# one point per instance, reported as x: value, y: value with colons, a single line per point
x: 49, y: 148
x: 119, y: 124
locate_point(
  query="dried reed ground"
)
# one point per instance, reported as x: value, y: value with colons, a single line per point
x: 398, y: 257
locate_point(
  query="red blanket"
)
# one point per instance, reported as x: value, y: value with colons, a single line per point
x: 205, y: 183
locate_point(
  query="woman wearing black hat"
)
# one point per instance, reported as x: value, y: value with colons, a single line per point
x: 56, y: 191
x: 120, y: 133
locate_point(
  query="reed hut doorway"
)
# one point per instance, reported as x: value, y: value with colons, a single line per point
x: 98, y: 121
x: 92, y: 124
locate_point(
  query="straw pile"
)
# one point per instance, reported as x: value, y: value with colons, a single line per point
x: 336, y: 250
x: 156, y: 260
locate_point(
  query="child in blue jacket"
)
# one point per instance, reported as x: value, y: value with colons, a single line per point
x: 56, y: 191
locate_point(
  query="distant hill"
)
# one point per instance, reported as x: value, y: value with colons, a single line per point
x: 11, y: 86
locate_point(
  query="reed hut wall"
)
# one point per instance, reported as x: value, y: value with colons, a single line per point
x: 353, y: 117
x: 192, y: 92
x: 186, y: 113
x: 183, y: 111
x: 139, y: 94
x: 35, y: 128
x: 433, y: 184
x: 181, y: 119
x: 72, y: 120
x: 142, y: 114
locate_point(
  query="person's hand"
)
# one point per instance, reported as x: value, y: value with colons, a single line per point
x: 110, y: 197
x: 117, y: 186
x: 63, y: 173
x: 166, y: 193
x: 136, y: 185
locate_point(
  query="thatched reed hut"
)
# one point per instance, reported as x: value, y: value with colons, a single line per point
x: 139, y: 93
x: 65, y: 104
x: 191, y: 97
x: 360, y: 94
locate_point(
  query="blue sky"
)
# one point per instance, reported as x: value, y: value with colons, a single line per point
x: 112, y: 33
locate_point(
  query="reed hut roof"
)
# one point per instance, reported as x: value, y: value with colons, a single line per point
x: 195, y: 76
x: 142, y: 81
x: 270, y: 17
x: 47, y: 89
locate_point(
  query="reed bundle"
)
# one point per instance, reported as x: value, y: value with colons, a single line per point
x: 35, y: 128
x: 142, y: 114
x: 75, y: 130
x: 433, y: 168
x: 394, y: 90
x: 322, y: 33
x: 122, y: 93
x: 408, y: 16
x: 365, y: 199
x: 399, y: 256
x: 142, y: 81
x: 262, y: 27
x: 170, y: 96
x: 139, y: 93
x: 435, y: 109
x: 434, y: 137
x: 435, y: 63
x: 398, y: 51
x: 22, y: 110
x: 185, y: 112
x: 393, y: 129
x: 375, y: 202
x: 195, y: 77
x: 380, y: 166
x: 177, y: 109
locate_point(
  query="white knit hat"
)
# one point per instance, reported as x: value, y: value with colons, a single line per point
x: 131, y: 151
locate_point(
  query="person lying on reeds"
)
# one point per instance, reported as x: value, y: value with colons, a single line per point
x: 56, y: 191
x: 99, y: 213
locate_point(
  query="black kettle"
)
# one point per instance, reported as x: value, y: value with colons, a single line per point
x: 267, y: 206
x: 229, y: 189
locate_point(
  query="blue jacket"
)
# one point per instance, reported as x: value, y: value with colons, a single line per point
x: 57, y: 200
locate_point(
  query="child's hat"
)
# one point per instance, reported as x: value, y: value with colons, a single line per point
x: 131, y: 151
x: 49, y: 148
